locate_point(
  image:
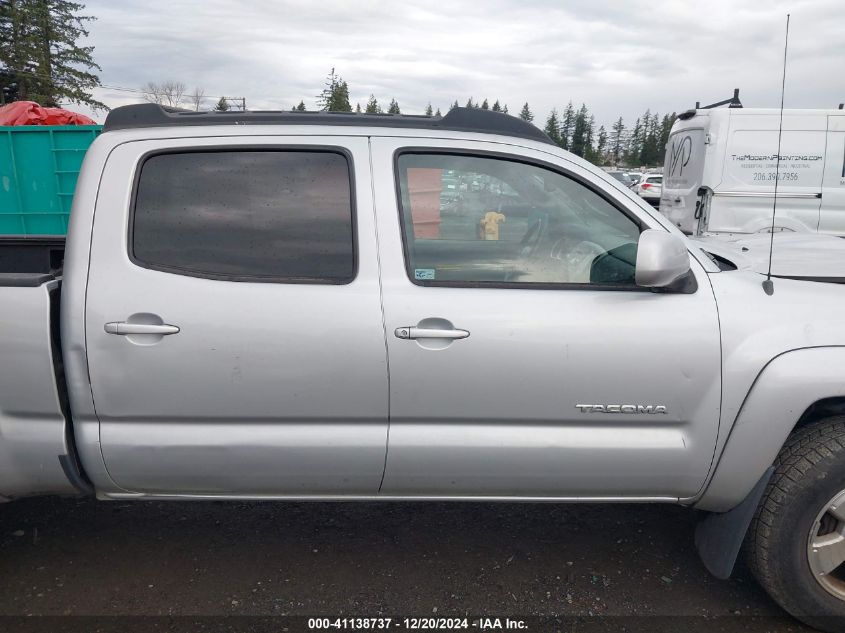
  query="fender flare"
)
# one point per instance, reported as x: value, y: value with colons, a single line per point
x: 786, y: 387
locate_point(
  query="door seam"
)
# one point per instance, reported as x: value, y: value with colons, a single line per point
x: 381, y: 304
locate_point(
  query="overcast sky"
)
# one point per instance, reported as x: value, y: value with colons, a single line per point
x: 618, y: 57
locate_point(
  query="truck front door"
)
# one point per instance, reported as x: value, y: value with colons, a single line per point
x: 234, y: 328
x: 524, y: 361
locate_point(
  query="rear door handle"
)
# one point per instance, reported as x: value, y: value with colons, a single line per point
x: 422, y: 332
x: 124, y: 328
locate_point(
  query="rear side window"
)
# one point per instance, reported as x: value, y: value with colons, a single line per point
x: 656, y: 180
x: 281, y: 216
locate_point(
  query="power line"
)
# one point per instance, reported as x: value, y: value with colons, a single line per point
x: 104, y: 86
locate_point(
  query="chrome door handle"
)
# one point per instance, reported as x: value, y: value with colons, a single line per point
x: 422, y: 332
x: 124, y: 328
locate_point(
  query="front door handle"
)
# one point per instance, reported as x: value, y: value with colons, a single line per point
x: 124, y: 328
x: 423, y: 332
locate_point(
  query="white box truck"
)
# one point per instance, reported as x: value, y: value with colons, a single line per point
x: 719, y: 173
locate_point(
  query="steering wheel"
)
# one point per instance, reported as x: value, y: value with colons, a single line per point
x: 577, y: 260
x: 533, y: 237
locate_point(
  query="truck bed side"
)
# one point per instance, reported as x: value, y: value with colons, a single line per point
x: 36, y: 448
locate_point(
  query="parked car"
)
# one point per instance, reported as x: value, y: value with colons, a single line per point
x: 247, y: 303
x: 635, y: 177
x: 649, y: 188
x: 721, y: 167
x: 622, y: 177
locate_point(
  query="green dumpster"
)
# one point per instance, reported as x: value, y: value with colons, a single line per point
x: 39, y: 165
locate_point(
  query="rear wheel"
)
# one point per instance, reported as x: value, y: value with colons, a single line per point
x: 796, y: 541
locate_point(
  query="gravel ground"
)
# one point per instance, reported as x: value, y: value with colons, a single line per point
x: 83, y: 557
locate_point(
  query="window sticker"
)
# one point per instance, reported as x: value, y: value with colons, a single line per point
x: 424, y: 273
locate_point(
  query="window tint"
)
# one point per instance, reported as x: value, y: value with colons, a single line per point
x: 475, y: 220
x: 271, y: 215
x: 655, y: 179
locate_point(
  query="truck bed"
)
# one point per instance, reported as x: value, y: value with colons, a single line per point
x: 36, y: 447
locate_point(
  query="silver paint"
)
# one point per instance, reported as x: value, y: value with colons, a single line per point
x: 662, y: 259
x: 267, y: 387
x: 493, y: 414
x: 294, y: 403
x: 32, y: 427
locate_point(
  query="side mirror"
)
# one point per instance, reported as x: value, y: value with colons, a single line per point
x: 662, y: 260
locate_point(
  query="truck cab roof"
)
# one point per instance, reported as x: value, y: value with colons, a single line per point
x: 473, y: 120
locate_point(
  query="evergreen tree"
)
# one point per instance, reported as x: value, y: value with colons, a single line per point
x: 655, y: 138
x: 454, y: 105
x: 496, y: 107
x: 470, y: 104
x: 553, y: 127
x: 632, y: 152
x: 617, y: 141
x: 578, y: 143
x: 335, y: 95
x: 485, y: 105
x: 665, y: 129
x: 505, y: 109
x: 438, y: 112
x: 18, y: 51
x: 525, y: 114
x: 650, y: 139
x: 589, y: 150
x: 372, y: 106
x: 39, y: 47
x: 601, y: 147
x: 428, y: 110
x: 358, y: 108
x: 394, y: 107
x: 223, y: 105
x: 567, y: 126
x: 301, y: 107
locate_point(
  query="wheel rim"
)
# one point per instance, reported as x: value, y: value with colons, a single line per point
x: 826, y: 547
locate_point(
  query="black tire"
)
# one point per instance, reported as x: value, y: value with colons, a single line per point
x: 809, y: 472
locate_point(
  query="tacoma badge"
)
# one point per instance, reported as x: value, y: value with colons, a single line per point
x: 622, y: 408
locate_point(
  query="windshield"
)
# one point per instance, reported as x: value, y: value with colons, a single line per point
x: 621, y: 177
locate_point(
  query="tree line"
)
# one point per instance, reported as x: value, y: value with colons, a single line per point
x: 640, y: 145
x: 643, y: 144
x: 40, y: 60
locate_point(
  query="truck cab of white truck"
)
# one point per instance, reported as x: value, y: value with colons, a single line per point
x: 721, y: 165
x: 358, y: 307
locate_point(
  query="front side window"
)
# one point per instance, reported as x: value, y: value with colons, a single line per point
x: 247, y: 215
x: 478, y: 220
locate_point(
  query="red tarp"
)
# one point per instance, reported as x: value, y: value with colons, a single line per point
x: 30, y: 113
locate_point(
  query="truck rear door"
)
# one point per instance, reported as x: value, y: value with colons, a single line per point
x: 233, y: 323
x: 832, y: 219
x: 682, y: 173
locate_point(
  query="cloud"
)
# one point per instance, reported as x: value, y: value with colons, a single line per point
x: 617, y: 57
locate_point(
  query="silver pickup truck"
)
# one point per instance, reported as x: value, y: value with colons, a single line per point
x: 357, y: 307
